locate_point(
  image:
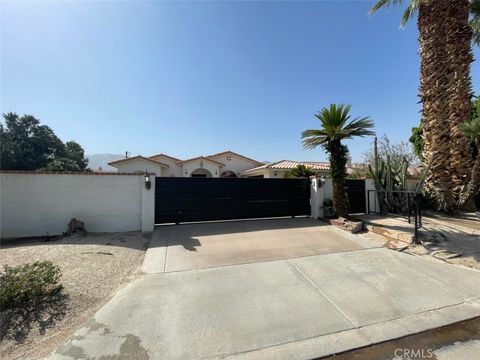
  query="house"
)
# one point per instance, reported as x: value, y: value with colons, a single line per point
x: 223, y: 164
x: 279, y: 168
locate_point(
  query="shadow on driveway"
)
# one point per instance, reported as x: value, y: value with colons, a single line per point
x: 206, y: 245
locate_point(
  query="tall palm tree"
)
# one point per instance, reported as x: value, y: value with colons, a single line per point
x: 336, y: 126
x: 445, y: 37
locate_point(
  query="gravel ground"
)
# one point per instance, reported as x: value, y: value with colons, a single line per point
x: 93, y: 268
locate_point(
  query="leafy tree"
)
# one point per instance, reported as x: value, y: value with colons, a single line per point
x: 75, y: 153
x: 336, y: 126
x: 416, y: 136
x: 417, y: 141
x: 25, y: 144
x: 300, y: 171
x: 475, y: 20
x: 397, y: 152
x: 62, y: 164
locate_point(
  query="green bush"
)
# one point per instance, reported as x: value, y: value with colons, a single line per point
x: 26, y: 283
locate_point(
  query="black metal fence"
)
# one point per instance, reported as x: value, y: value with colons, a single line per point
x: 398, y: 203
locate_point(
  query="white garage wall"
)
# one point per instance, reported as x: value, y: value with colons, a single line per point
x: 37, y: 204
x: 235, y: 164
x: 139, y: 165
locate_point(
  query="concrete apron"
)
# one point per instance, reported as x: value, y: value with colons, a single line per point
x: 198, y: 246
x: 286, y: 309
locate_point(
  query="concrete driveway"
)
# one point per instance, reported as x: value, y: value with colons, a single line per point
x: 336, y: 299
x: 206, y: 245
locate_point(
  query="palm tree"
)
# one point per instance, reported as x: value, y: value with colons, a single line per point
x: 445, y: 37
x: 336, y: 126
x: 300, y: 171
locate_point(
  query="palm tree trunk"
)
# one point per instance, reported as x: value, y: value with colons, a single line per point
x: 459, y: 37
x: 434, y: 83
x: 337, y: 168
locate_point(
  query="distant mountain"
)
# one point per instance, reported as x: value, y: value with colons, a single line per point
x: 99, y: 162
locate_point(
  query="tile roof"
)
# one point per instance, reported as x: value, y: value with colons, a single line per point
x: 165, y: 155
x: 236, y: 154
x: 139, y: 157
x: 290, y: 164
x: 202, y: 158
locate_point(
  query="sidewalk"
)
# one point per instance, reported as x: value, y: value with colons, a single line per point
x: 300, y: 308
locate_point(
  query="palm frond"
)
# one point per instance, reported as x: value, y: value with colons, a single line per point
x: 471, y: 128
x: 313, y: 142
x: 409, y: 12
x: 359, y: 127
x: 336, y: 125
x: 384, y: 3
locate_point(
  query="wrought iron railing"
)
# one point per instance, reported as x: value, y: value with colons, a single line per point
x: 399, y: 203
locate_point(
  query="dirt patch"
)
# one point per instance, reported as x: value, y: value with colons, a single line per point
x: 469, y: 223
x: 449, y: 241
x: 442, y: 238
x: 93, y: 268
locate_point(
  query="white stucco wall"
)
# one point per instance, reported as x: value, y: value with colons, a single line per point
x: 173, y: 170
x: 236, y: 164
x: 190, y: 166
x: 137, y: 165
x: 41, y: 204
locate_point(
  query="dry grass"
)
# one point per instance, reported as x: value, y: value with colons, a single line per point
x: 93, y: 268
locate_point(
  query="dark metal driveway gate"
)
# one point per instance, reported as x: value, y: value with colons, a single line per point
x: 356, y: 195
x: 203, y: 199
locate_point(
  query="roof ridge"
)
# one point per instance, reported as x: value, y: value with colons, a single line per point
x: 168, y: 156
x: 137, y: 157
x: 235, y: 153
x: 200, y: 157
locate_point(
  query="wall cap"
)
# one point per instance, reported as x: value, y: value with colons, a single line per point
x: 101, y: 173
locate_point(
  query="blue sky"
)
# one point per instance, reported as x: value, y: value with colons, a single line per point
x: 190, y: 78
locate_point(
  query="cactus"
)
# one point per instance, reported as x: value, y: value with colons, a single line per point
x: 387, y: 177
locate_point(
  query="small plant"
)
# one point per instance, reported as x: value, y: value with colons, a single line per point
x: 329, y: 208
x: 26, y: 283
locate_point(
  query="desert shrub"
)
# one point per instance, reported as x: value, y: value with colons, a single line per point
x: 428, y: 201
x: 26, y: 283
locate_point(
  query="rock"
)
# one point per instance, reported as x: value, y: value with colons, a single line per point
x: 75, y: 226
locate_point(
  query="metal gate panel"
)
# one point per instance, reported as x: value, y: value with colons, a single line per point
x: 356, y: 195
x: 205, y: 199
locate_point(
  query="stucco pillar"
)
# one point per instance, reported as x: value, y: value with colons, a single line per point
x: 316, y: 198
x: 148, y: 205
x: 372, y: 196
